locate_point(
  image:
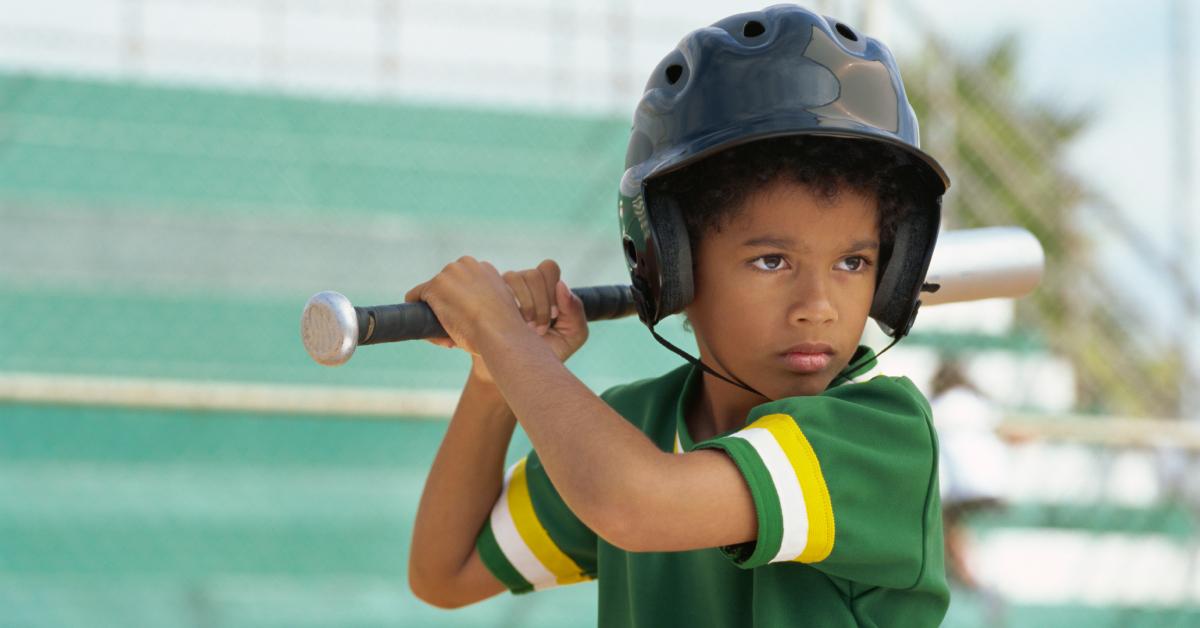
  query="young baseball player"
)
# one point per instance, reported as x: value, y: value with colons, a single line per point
x: 775, y: 194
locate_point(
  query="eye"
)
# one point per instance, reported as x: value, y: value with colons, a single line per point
x: 769, y: 263
x: 854, y: 263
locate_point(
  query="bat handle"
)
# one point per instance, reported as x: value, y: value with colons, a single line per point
x: 331, y: 328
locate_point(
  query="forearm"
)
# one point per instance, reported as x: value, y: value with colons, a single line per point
x: 591, y: 453
x: 613, y: 478
x: 463, y: 484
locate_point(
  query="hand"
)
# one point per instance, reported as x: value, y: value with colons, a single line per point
x: 469, y: 297
x: 549, y: 307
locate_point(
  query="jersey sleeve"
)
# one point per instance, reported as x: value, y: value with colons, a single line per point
x: 845, y: 481
x: 532, y: 541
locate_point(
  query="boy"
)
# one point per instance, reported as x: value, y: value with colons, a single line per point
x: 774, y: 193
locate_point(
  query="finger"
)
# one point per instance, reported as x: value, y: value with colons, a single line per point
x: 414, y: 295
x: 550, y: 275
x: 442, y: 342
x: 569, y: 304
x: 572, y: 321
x: 521, y: 292
x: 541, y: 298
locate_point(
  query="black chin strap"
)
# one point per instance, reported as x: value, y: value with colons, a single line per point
x: 740, y: 384
x: 687, y: 356
x: 866, y: 358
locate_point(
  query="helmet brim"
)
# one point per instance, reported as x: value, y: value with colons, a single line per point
x: 699, y: 148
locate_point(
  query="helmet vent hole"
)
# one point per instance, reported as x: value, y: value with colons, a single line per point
x: 845, y: 31
x: 674, y: 71
x: 630, y: 251
x: 753, y: 28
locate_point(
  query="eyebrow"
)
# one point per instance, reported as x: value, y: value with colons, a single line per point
x: 862, y: 245
x: 788, y: 243
x: 771, y: 241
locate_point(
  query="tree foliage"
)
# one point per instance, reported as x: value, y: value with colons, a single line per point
x: 1006, y: 155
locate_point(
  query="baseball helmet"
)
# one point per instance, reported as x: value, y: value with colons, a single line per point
x: 782, y: 71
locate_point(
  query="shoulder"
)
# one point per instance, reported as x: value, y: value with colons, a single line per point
x: 880, y: 394
x: 666, y: 386
x: 897, y: 395
x: 889, y: 412
x: 649, y: 403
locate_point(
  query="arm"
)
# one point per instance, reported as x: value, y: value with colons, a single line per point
x: 866, y: 458
x: 444, y: 569
x: 598, y: 461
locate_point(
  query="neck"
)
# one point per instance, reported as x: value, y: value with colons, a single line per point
x: 719, y: 407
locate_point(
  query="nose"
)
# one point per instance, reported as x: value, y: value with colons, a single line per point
x: 811, y: 299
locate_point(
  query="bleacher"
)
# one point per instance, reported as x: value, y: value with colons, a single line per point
x: 153, y: 234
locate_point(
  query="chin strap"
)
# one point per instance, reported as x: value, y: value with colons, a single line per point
x: 687, y: 356
x: 740, y: 384
x: 867, y: 358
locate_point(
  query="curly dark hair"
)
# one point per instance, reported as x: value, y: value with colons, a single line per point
x: 712, y: 192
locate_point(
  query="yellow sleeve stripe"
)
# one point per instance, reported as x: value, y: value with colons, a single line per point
x: 534, y: 535
x: 805, y: 469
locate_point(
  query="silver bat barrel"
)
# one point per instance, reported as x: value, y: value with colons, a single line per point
x: 987, y: 263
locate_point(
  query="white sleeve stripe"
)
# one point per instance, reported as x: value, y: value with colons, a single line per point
x: 787, y: 487
x: 513, y: 546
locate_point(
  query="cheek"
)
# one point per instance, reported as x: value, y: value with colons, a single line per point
x: 856, y: 308
x: 737, y: 315
x: 727, y: 303
x: 862, y: 294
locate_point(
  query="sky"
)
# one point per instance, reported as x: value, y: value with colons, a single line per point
x: 1105, y: 57
x: 1113, y: 60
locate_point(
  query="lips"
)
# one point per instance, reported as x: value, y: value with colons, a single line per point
x: 808, y: 357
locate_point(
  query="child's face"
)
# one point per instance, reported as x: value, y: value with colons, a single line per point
x: 783, y: 290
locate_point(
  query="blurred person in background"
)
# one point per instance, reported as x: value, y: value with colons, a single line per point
x: 972, y: 470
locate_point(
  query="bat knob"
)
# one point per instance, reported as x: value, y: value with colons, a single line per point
x: 329, y: 328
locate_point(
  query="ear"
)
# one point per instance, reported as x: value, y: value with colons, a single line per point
x: 674, y: 255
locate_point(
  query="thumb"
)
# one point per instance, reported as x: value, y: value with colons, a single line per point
x: 570, y: 306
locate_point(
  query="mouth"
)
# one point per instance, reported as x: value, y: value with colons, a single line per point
x: 808, y: 357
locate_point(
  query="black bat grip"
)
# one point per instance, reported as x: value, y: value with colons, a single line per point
x: 414, y: 321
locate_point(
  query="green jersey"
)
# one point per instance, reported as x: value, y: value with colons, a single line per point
x: 849, y: 523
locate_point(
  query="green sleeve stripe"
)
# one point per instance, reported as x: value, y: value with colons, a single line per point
x: 495, y: 561
x: 766, y: 504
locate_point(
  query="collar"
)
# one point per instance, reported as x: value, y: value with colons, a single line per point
x: 862, y: 362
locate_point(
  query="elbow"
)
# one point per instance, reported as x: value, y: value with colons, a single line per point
x: 433, y: 591
x: 444, y: 603
x: 627, y: 536
x: 436, y: 597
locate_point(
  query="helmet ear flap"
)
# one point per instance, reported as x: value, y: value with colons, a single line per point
x: 897, y: 293
x: 674, y: 253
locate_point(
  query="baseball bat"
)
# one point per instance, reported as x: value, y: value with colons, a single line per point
x: 967, y: 265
